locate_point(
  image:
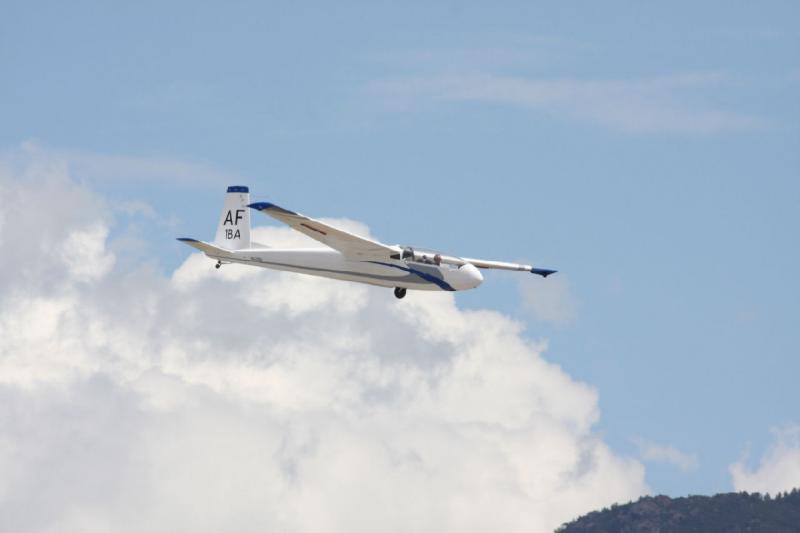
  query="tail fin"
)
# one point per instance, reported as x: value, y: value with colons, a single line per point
x: 233, y: 231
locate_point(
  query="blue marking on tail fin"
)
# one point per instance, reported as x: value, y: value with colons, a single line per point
x: 238, y: 188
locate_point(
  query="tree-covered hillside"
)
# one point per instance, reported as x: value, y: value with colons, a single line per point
x: 729, y: 513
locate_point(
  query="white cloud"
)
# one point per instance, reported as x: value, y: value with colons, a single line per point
x: 643, y: 105
x: 549, y: 300
x: 84, y: 253
x: 252, y: 400
x: 664, y: 453
x: 779, y: 467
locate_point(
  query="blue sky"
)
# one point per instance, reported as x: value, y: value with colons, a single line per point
x: 649, y: 153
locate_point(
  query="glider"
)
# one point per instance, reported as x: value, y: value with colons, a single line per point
x: 346, y: 257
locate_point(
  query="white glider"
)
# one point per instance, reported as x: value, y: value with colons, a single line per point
x: 347, y: 256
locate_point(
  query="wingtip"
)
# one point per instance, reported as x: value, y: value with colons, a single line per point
x: 264, y: 206
x: 542, y: 272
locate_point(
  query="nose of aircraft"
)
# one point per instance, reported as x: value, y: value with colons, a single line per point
x: 471, y: 277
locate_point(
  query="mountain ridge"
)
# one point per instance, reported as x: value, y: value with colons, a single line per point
x: 731, y: 512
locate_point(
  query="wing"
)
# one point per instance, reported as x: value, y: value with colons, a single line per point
x: 347, y: 243
x: 480, y: 263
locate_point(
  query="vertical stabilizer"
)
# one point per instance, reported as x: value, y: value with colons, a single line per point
x: 233, y: 231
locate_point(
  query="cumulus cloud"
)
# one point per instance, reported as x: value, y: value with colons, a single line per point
x: 664, y: 453
x: 660, y: 104
x: 252, y: 400
x: 779, y: 467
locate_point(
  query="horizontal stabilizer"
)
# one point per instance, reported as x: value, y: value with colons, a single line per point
x: 208, y: 248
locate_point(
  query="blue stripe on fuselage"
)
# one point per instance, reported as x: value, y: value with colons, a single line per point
x: 424, y: 275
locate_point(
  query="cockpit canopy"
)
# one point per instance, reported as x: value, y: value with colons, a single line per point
x: 422, y: 255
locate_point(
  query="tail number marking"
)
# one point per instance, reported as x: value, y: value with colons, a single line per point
x: 229, y: 218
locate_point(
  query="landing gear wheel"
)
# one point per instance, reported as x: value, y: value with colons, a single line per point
x: 399, y: 292
x: 219, y: 264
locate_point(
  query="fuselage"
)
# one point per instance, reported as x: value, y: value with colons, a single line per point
x: 409, y: 274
